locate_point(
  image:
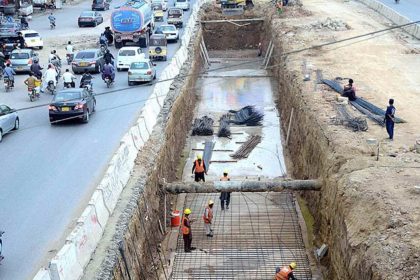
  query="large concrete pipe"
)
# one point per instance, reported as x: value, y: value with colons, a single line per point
x: 242, y: 186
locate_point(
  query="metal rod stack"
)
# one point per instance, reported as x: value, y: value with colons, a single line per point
x: 203, y: 126
x: 246, y: 148
x: 248, y: 115
x: 224, y: 127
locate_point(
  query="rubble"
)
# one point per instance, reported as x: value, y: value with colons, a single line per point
x: 332, y: 24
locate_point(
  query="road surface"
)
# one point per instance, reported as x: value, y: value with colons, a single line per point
x: 407, y: 8
x: 48, y: 173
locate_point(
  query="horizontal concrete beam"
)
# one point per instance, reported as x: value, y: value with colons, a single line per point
x: 242, y: 186
x: 233, y: 20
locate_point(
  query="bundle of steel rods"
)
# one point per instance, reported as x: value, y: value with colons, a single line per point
x: 246, y: 148
x: 248, y: 115
x: 203, y: 126
x: 224, y: 127
x: 346, y: 119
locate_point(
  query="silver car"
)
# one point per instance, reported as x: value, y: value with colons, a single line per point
x: 91, y: 59
x: 141, y: 71
x: 21, y: 59
x: 9, y: 120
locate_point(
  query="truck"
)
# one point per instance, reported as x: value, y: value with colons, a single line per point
x: 132, y: 22
x: 175, y: 17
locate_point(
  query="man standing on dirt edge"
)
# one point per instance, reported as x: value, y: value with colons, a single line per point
x: 389, y: 119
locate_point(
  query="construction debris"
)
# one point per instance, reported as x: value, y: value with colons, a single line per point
x: 345, y: 118
x: 332, y: 24
x: 246, y: 148
x: 248, y: 115
x: 203, y: 126
x: 224, y: 127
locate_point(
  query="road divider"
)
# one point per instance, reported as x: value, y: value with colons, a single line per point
x: 74, y: 256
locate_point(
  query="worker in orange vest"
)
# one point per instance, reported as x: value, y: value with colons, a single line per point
x: 286, y: 273
x: 199, y: 168
x: 225, y: 196
x: 208, y: 218
x: 186, y: 231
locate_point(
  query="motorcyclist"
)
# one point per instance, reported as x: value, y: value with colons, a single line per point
x: 30, y: 81
x: 68, y: 79
x: 103, y: 40
x: 109, y: 35
x: 69, y: 50
x: 49, y: 75
x: 108, y: 71
x: 36, y: 69
x: 24, y: 23
x: 9, y: 73
x: 86, y: 79
x: 21, y: 41
x: 108, y: 57
x: 51, y: 18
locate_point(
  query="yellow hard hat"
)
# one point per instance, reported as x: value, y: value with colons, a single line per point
x: 199, y: 157
x: 292, y: 265
x: 211, y: 202
x: 187, y: 211
x: 225, y: 171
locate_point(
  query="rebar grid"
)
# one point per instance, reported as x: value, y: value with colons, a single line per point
x: 258, y: 233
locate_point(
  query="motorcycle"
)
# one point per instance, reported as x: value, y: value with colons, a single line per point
x: 52, y: 25
x: 69, y: 58
x: 108, y: 81
x: 69, y: 84
x: 7, y: 83
x: 87, y: 85
x: 1, y: 246
x: 33, y: 94
x: 51, y: 88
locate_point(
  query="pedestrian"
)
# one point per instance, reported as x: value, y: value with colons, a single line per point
x: 225, y: 196
x: 208, y: 218
x: 350, y: 91
x: 186, y: 231
x: 199, y: 169
x: 286, y: 273
x: 389, y: 119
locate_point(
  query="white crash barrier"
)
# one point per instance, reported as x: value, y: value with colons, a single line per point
x: 135, y: 135
x: 64, y: 266
x: 111, y: 188
x: 86, y: 235
x: 43, y: 274
x: 127, y: 140
x: 102, y: 212
x: 149, y: 117
x: 144, y: 133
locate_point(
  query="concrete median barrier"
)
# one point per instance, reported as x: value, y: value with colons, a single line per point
x: 65, y: 266
x: 111, y: 188
x: 135, y: 136
x: 102, y: 212
x: 144, y: 133
x: 43, y: 274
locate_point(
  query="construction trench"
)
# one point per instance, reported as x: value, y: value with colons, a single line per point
x: 261, y: 230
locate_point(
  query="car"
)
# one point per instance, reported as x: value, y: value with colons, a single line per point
x: 141, y: 71
x: 32, y: 39
x: 9, y: 30
x: 90, y: 18
x: 175, y: 17
x: 164, y: 3
x: 182, y: 4
x: 128, y: 55
x: 169, y: 30
x: 21, y: 59
x: 71, y: 104
x: 91, y: 59
x: 9, y: 120
x: 100, y: 5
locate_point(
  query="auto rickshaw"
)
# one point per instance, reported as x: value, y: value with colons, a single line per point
x: 157, y: 11
x: 158, y: 47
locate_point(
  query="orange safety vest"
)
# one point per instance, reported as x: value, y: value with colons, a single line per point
x: 284, y: 273
x: 224, y: 178
x: 185, y: 229
x: 208, y: 219
x: 199, y: 168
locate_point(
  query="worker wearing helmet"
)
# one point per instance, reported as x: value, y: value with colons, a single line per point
x: 199, y: 169
x: 286, y: 273
x: 225, y: 196
x: 208, y: 218
x: 186, y: 231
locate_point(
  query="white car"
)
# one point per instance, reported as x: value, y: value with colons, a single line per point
x: 163, y: 2
x: 128, y: 55
x: 32, y: 39
x: 169, y: 30
x: 182, y: 4
x: 9, y: 120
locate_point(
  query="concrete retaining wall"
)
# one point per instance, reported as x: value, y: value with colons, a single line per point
x: 393, y: 16
x: 71, y: 260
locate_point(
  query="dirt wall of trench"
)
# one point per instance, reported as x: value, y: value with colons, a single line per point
x: 134, y: 252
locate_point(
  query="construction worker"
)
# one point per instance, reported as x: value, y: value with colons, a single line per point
x: 199, y: 169
x: 186, y: 231
x: 225, y: 196
x: 208, y: 217
x: 286, y: 273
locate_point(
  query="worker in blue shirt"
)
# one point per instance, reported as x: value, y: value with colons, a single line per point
x: 390, y: 119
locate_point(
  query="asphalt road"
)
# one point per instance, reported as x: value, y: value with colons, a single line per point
x: 48, y: 173
x: 407, y: 8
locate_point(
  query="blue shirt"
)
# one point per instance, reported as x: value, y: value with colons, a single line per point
x: 9, y: 72
x: 390, y: 112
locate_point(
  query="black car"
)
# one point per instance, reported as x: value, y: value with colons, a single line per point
x: 100, y: 5
x: 9, y: 30
x: 89, y: 18
x: 70, y: 104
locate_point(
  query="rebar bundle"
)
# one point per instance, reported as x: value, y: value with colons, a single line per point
x: 346, y: 119
x: 224, y: 127
x: 246, y: 148
x: 203, y: 126
x: 248, y: 115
